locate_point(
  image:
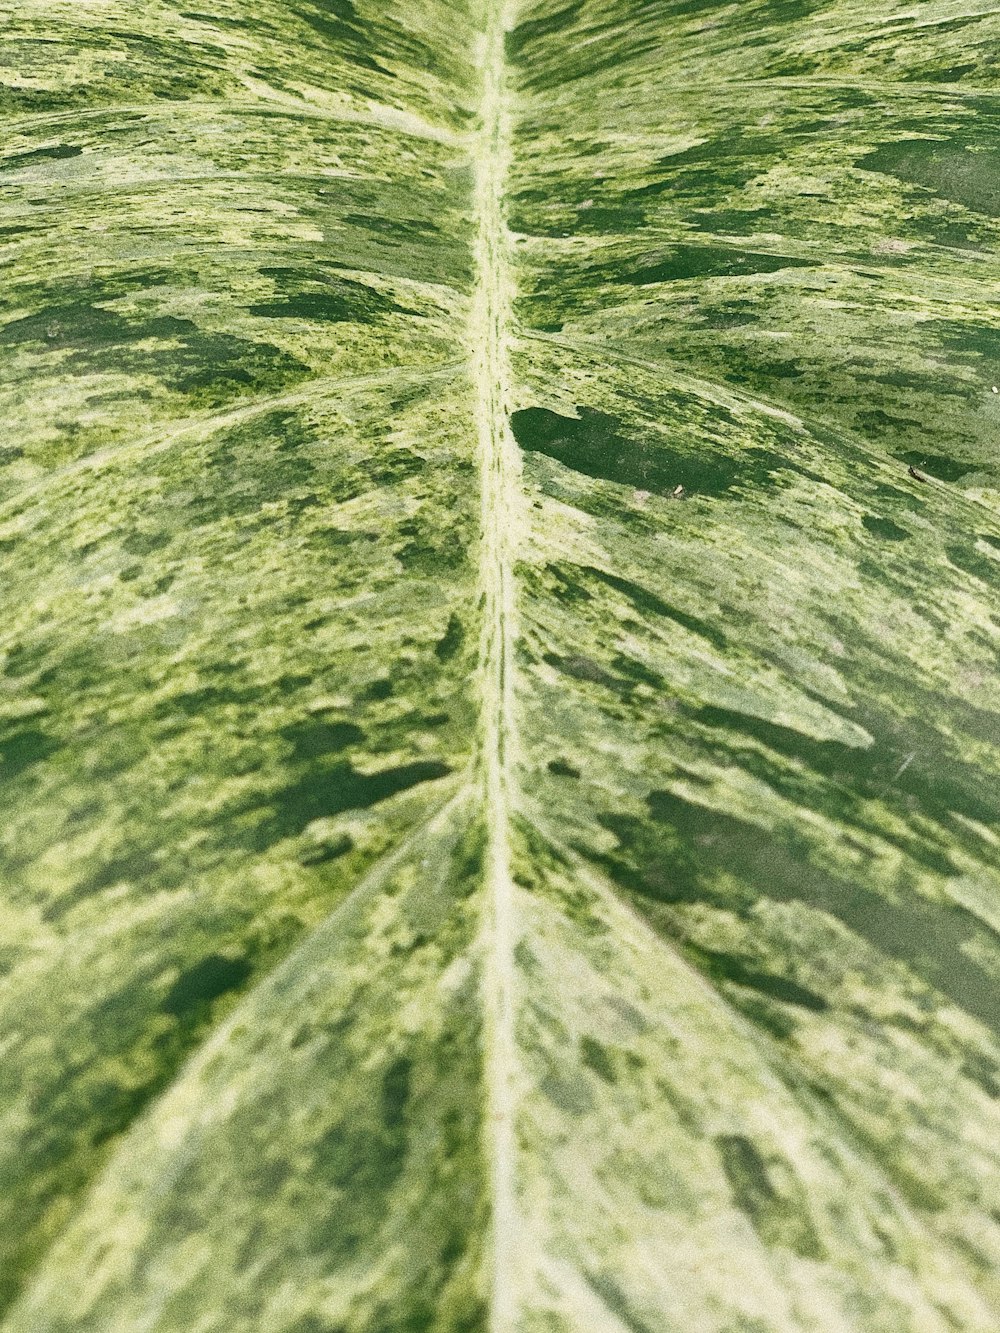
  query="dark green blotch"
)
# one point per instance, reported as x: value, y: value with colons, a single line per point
x: 778, y: 1219
x: 976, y: 344
x: 133, y: 866
x: 338, y: 22
x: 429, y: 550
x: 451, y: 641
x: 728, y: 967
x: 944, y: 168
x: 598, y: 445
x: 378, y: 689
x: 323, y: 791
x: 790, y: 67
x: 202, y: 701
x: 648, y: 603
x: 790, y: 11
x: 562, y: 768
x: 710, y: 261
x: 23, y: 747
x: 396, y: 1093
x: 24, y: 660
x: 196, y: 989
x: 250, y: 465
x: 688, y: 852
x: 935, y: 465
x: 568, y: 1092
x: 335, y: 302
x: 974, y: 562
x: 884, y: 527
x: 948, y: 74
x: 470, y: 858
x: 144, y: 543
x: 854, y: 774
x: 767, y: 1016
x: 183, y: 356
x: 983, y: 1072
x: 331, y: 850
x: 635, y: 670
x: 318, y: 307
x: 218, y: 363
x: 216, y: 20
x: 532, y: 30
x: 54, y: 154
x: 584, y: 668
x: 364, y: 1162
x: 314, y: 738
x: 566, y: 589
x: 595, y: 1056
x: 618, y: 1302
x: 120, y: 1106
x: 713, y: 167
x: 81, y: 325
x: 387, y: 226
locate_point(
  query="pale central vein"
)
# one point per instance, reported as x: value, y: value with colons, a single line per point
x: 501, y: 516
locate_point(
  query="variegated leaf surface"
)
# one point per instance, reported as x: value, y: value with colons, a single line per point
x: 500, y: 702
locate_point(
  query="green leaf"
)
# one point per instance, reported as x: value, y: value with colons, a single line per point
x: 498, y: 713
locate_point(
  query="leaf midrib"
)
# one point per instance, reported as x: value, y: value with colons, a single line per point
x: 500, y: 500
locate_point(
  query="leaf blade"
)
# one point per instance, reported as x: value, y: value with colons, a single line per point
x: 746, y: 990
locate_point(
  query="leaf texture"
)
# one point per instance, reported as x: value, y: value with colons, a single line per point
x: 499, y: 702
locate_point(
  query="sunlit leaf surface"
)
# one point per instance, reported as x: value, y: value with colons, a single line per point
x: 499, y: 704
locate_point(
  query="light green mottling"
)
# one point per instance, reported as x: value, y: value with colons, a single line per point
x: 564, y: 904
